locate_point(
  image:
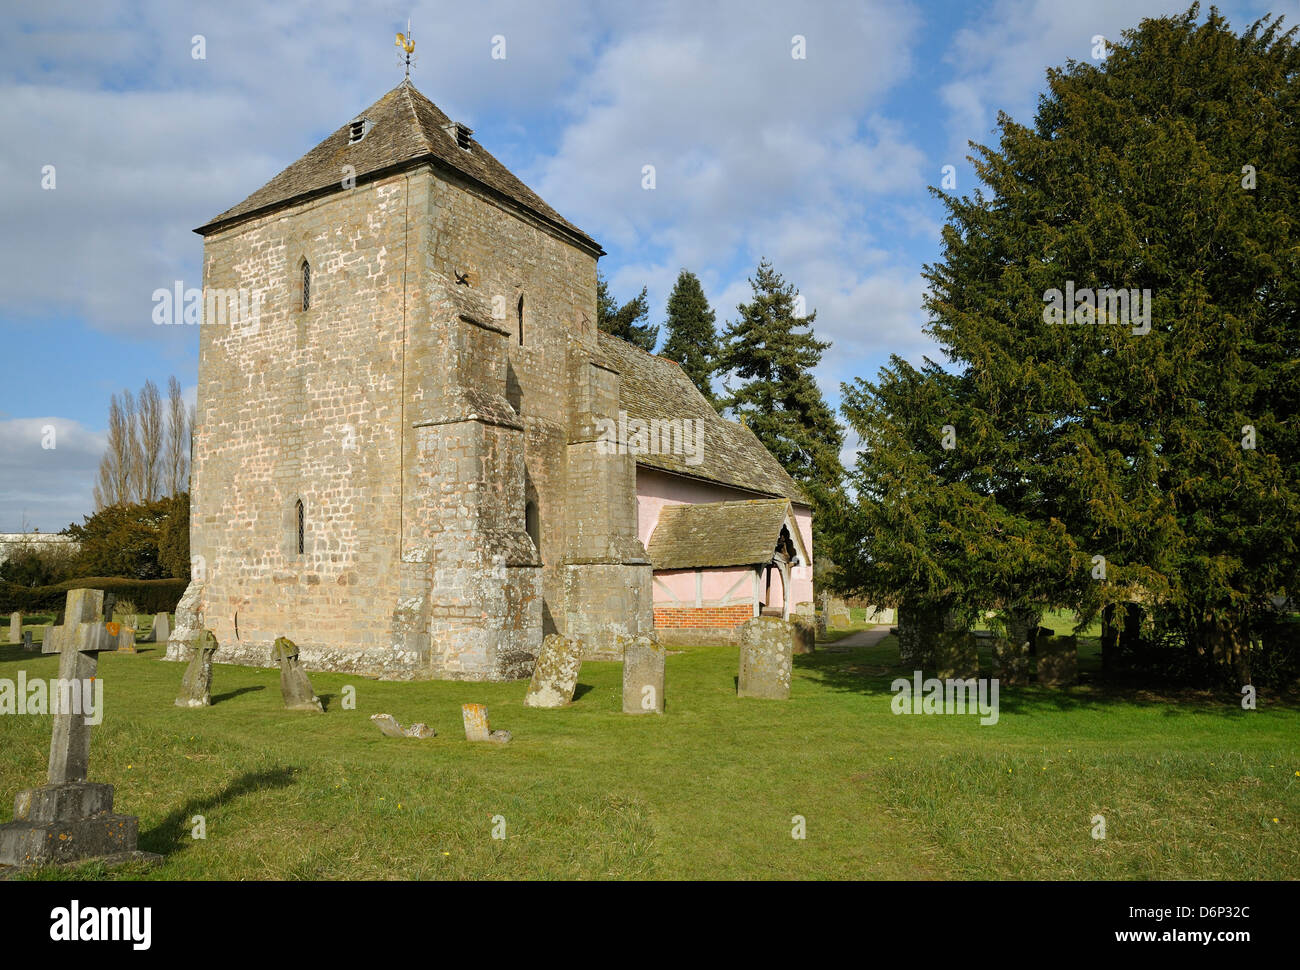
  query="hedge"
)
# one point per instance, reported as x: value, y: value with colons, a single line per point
x: 149, y: 595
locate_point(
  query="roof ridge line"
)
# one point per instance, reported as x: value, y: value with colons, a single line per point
x: 407, y: 87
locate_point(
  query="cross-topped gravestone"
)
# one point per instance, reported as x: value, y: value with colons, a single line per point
x: 78, y: 643
x: 70, y: 818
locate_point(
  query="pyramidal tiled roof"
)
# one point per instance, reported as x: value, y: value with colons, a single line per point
x: 652, y: 387
x: 406, y: 128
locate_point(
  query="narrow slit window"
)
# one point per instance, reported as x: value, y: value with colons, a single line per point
x: 521, y: 320
x: 301, y: 528
x: 306, y: 285
x: 532, y: 525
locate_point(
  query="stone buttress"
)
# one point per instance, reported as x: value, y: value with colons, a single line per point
x: 607, y: 575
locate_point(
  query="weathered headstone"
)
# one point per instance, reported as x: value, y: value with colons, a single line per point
x: 1058, y: 661
x: 196, y: 685
x: 70, y: 818
x: 390, y: 728
x: 643, y: 675
x: 294, y: 685
x: 805, y: 634
x: 555, y: 675
x: 162, y: 628
x: 840, y: 618
x: 821, y: 624
x: 1010, y: 662
x: 123, y: 636
x: 475, y: 717
x: 807, y: 608
x: 1121, y: 634
x: 882, y: 615
x: 28, y: 644
x: 1022, y: 626
x: 955, y: 656
x: 766, y: 658
x: 15, y: 627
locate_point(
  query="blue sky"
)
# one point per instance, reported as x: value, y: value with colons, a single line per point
x: 820, y: 164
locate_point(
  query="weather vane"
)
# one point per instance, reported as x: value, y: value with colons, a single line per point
x: 407, y: 43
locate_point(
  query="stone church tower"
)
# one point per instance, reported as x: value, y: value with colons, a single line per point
x: 397, y: 461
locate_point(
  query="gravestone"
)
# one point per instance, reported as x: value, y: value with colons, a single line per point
x: 123, y: 635
x: 162, y: 628
x: 71, y: 819
x: 919, y: 628
x: 390, y: 728
x: 555, y: 675
x: 821, y: 624
x: 196, y: 685
x: 882, y: 615
x: 27, y: 640
x: 956, y: 657
x: 1058, y: 661
x: 1010, y: 662
x: 766, y: 652
x: 1022, y: 626
x: 840, y: 618
x: 1120, y: 644
x: 806, y: 608
x: 475, y: 717
x: 643, y: 675
x: 805, y: 634
x: 294, y: 685
x: 15, y: 627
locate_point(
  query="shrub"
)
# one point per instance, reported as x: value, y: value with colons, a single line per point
x: 148, y: 596
x: 39, y: 564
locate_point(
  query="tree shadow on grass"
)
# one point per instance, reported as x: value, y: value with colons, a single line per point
x: 173, y: 833
x: 872, y: 670
x: 232, y: 694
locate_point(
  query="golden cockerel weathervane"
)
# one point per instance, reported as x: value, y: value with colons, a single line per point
x: 406, y: 43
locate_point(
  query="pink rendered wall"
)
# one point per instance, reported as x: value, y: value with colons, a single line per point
x: 716, y: 584
x: 801, y: 577
x: 655, y: 489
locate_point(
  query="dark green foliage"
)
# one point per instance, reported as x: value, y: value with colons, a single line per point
x: 1075, y: 441
x: 692, y: 337
x: 39, y: 564
x: 124, y: 540
x: 149, y: 596
x: 174, y: 538
x: 625, y: 321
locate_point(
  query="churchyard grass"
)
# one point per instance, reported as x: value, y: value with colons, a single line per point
x: 1191, y: 786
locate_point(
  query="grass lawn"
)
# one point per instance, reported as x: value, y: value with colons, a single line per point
x: 1191, y: 787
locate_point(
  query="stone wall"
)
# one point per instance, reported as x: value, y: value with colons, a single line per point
x: 418, y: 429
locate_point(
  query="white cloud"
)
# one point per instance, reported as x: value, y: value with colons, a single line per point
x: 46, y: 487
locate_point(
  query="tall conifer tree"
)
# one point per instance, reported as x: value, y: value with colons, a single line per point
x: 770, y: 353
x: 692, y: 337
